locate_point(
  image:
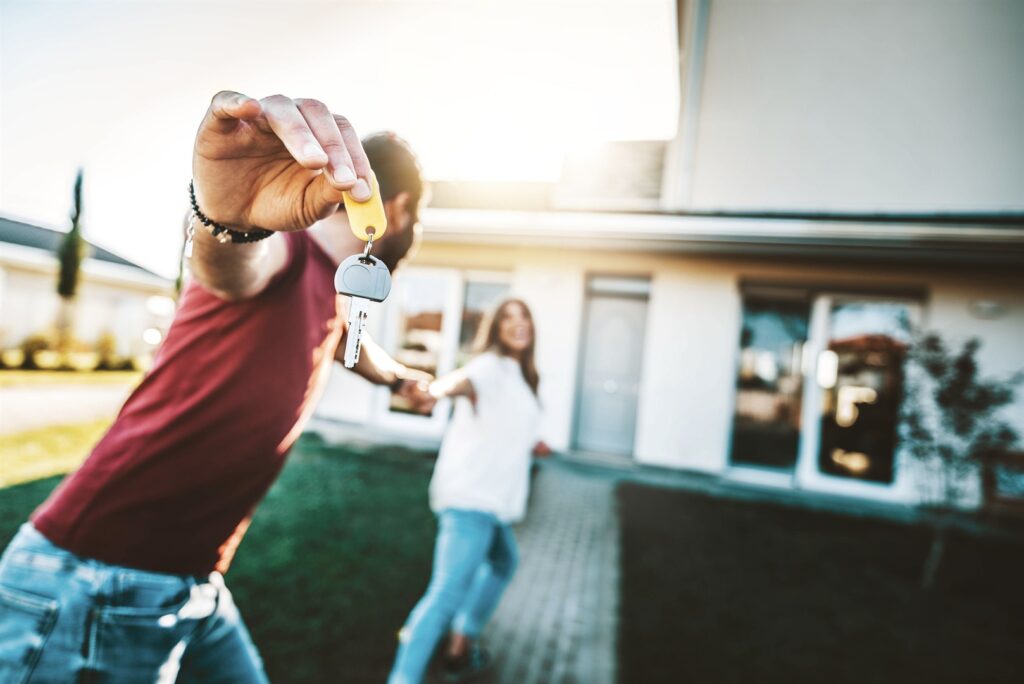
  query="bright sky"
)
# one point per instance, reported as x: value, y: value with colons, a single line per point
x: 483, y: 89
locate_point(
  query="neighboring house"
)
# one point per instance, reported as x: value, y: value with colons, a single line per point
x: 115, y: 296
x: 736, y: 300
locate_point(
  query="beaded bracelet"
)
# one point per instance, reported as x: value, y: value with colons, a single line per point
x: 221, y: 232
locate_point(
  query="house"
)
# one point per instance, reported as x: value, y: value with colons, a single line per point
x: 115, y: 297
x: 736, y: 300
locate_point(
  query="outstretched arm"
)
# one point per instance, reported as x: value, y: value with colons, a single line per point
x: 377, y: 366
x: 455, y: 384
x: 234, y: 272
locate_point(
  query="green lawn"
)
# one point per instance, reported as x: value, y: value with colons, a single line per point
x: 336, y: 556
x: 717, y: 590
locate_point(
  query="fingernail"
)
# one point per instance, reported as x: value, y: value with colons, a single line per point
x: 343, y: 174
x: 360, y: 191
x: 313, y: 151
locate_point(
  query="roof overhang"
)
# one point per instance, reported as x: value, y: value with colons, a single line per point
x: 42, y: 261
x: 917, y: 241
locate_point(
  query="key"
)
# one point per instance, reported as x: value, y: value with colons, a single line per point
x: 365, y: 279
x: 357, y: 309
x: 362, y: 277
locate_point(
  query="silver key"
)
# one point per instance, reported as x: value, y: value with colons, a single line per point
x: 365, y: 279
x: 357, y: 309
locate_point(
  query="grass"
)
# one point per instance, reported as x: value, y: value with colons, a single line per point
x: 725, y: 591
x: 43, y: 452
x: 335, y: 559
x: 336, y: 556
x: 21, y: 378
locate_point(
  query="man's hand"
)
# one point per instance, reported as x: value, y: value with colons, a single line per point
x: 541, y: 449
x: 417, y: 394
x: 379, y: 368
x: 275, y: 163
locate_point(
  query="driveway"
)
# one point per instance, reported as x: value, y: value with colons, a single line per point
x: 557, y: 622
x: 36, y: 406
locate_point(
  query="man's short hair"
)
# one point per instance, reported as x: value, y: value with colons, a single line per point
x: 396, y: 166
x: 397, y: 171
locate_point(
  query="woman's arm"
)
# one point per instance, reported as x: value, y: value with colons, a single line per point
x: 455, y: 384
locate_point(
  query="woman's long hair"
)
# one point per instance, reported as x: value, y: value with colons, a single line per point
x: 490, y: 340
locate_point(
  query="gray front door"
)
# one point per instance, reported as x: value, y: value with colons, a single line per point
x: 610, y: 374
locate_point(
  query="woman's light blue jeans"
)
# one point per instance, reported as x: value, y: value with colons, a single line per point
x: 64, y: 619
x: 475, y: 557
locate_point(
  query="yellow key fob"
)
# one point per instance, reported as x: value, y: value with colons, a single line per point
x: 368, y: 214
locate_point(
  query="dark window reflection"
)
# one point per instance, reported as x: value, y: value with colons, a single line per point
x: 766, y: 427
x: 861, y: 373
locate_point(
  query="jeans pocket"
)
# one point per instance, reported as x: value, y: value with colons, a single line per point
x: 26, y: 621
x: 139, y: 643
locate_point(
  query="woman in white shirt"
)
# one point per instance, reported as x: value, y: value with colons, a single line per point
x: 479, y: 488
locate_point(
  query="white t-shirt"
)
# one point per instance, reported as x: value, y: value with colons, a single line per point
x: 484, y: 464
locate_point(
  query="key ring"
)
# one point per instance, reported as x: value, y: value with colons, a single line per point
x: 369, y: 246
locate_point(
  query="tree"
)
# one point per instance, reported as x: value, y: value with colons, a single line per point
x: 70, y: 253
x: 952, y: 424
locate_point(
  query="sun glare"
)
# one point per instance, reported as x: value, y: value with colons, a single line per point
x: 484, y: 91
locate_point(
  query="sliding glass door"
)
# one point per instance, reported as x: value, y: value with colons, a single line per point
x: 852, y: 404
x: 818, y: 389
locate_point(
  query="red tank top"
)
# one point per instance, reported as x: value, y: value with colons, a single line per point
x: 172, y: 484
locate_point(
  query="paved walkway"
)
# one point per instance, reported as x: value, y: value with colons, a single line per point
x: 30, y: 407
x: 557, y: 622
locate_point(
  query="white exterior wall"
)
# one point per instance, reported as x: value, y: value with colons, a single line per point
x: 111, y: 298
x: 689, y: 367
x: 857, y: 105
x: 1002, y: 351
x: 29, y: 305
x: 554, y: 294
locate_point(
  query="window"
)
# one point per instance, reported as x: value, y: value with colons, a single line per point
x: 480, y: 298
x: 438, y: 314
x: 422, y: 299
x: 769, y: 384
x: 860, y: 373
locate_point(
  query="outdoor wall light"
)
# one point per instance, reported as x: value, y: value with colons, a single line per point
x: 988, y: 309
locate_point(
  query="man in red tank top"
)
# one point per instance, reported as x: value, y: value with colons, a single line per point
x: 118, y: 574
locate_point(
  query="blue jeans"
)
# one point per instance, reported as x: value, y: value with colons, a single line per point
x: 65, y: 619
x: 475, y: 557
